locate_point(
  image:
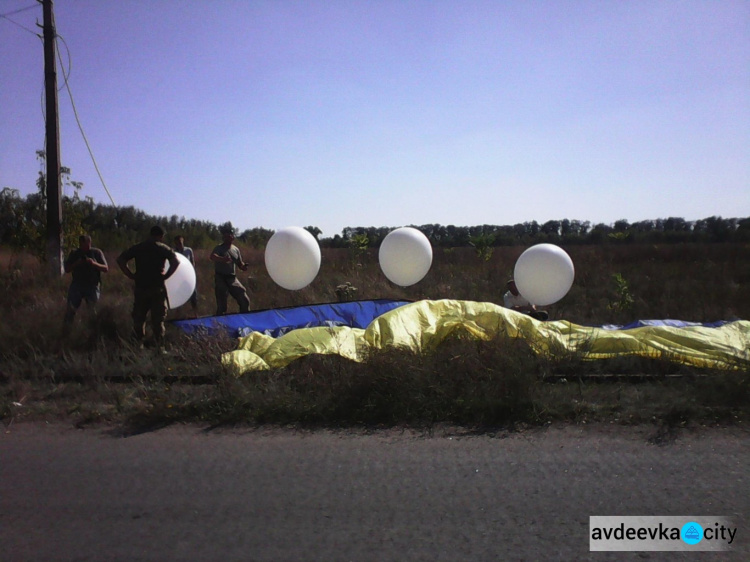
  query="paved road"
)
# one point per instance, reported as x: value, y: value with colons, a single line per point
x: 183, y: 493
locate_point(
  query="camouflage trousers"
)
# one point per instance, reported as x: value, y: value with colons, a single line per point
x: 153, y: 300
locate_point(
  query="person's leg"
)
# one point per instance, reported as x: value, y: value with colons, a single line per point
x: 141, y: 305
x: 220, y: 289
x: 92, y: 295
x: 75, y: 297
x: 159, y: 307
x: 238, y: 292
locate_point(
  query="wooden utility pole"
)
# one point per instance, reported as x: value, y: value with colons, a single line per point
x: 52, y: 149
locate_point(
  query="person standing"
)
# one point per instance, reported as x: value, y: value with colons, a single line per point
x: 150, y: 293
x: 179, y: 246
x: 86, y: 265
x: 227, y: 257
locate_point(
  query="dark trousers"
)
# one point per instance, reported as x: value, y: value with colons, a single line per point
x: 77, y: 293
x: 226, y: 285
x: 153, y: 300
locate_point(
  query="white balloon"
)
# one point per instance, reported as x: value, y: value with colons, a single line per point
x: 181, y: 285
x: 544, y: 274
x: 292, y: 258
x: 405, y: 256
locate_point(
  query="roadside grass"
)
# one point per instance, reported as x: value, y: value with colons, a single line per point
x: 90, y: 372
x: 476, y: 384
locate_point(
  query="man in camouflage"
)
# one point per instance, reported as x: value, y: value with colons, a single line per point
x: 150, y: 294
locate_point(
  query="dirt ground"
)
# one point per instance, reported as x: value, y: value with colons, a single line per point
x: 190, y: 493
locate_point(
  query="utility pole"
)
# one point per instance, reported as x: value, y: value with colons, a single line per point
x: 52, y: 149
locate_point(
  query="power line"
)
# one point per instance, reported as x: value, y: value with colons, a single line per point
x: 21, y: 26
x: 78, y: 121
x: 19, y: 10
x: 66, y: 76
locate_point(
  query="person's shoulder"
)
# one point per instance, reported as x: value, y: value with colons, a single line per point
x: 163, y: 247
x: 73, y: 255
x: 131, y: 251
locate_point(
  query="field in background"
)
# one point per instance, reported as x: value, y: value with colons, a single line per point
x: 91, y: 372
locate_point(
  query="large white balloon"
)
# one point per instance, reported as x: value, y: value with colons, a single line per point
x: 181, y: 284
x: 544, y: 274
x: 405, y: 256
x: 292, y: 258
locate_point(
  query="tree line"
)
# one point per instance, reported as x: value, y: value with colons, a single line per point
x: 566, y: 232
x: 22, y: 223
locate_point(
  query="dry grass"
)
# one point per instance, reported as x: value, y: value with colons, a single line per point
x: 90, y: 372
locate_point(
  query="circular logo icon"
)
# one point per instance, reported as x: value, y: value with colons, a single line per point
x: 691, y: 533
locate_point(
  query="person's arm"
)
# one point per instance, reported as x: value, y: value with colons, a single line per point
x: 524, y: 307
x: 174, y: 263
x: 511, y: 301
x: 71, y: 265
x: 241, y: 264
x: 102, y: 267
x: 221, y: 259
x: 100, y: 263
x: 122, y: 261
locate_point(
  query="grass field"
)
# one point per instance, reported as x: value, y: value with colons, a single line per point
x: 90, y: 372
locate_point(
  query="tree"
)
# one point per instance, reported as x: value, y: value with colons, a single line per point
x: 257, y: 237
x: 314, y: 230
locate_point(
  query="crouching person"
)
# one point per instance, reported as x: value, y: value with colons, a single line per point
x: 514, y: 300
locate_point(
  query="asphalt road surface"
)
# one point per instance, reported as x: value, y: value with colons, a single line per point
x: 185, y: 493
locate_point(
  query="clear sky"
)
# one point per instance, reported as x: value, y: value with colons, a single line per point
x: 388, y: 113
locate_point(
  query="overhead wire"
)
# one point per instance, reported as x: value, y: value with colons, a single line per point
x: 18, y: 11
x: 66, y: 85
x: 75, y: 113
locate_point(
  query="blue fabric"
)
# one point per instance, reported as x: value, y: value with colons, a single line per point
x: 275, y: 322
x: 357, y: 314
x: 667, y: 322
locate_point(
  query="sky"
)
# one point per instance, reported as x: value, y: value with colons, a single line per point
x: 334, y: 113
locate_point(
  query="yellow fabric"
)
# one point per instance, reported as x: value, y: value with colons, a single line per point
x: 421, y: 326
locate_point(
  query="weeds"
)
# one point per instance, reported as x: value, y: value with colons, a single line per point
x: 90, y: 372
x: 623, y: 300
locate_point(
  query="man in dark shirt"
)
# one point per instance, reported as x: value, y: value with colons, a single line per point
x: 150, y: 293
x: 86, y: 265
